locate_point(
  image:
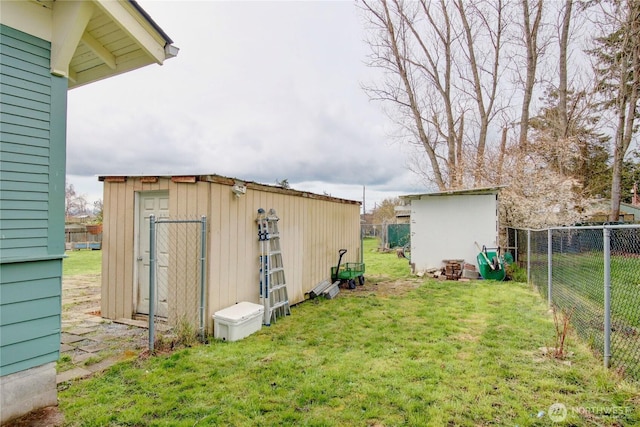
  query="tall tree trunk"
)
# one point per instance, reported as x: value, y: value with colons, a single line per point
x: 501, y: 156
x: 562, y: 86
x: 485, y: 111
x: 627, y: 103
x: 531, y: 43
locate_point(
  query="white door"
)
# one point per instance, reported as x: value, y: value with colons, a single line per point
x: 152, y: 203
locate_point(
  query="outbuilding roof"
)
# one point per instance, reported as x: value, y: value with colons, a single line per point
x: 224, y: 180
x: 467, y: 192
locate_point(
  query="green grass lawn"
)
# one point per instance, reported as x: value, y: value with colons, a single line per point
x: 445, y: 353
x: 383, y: 266
x: 82, y: 262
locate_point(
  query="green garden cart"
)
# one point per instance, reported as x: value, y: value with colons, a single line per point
x: 349, y: 272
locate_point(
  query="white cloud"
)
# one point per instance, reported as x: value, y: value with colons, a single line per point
x: 259, y: 91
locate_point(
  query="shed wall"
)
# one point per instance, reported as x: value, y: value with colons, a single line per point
x: 311, y: 233
x: 446, y: 227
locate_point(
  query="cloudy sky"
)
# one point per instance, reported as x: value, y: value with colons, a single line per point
x: 260, y: 91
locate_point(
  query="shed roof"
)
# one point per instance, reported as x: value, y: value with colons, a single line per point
x: 224, y: 180
x: 466, y: 192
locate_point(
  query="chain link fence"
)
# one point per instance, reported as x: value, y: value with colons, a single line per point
x: 591, y: 273
x: 177, y: 255
x: 389, y: 235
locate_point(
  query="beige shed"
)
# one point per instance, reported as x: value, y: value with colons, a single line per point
x: 313, y: 228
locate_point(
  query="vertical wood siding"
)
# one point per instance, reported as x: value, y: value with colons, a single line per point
x: 32, y: 168
x: 118, y: 245
x: 311, y: 233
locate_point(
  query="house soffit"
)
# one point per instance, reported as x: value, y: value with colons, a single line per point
x: 97, y: 39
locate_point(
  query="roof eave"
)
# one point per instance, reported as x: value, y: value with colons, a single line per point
x: 466, y: 192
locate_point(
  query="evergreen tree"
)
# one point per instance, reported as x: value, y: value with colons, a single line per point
x: 617, y: 56
x: 573, y: 148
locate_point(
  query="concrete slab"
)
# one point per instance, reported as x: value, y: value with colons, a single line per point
x: 133, y: 322
x: 80, y: 358
x: 66, y: 347
x: 102, y: 365
x: 72, y: 374
x: 66, y: 338
x: 27, y: 390
x: 93, y: 348
x: 81, y: 331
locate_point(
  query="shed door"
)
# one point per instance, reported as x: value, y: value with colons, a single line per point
x: 156, y: 203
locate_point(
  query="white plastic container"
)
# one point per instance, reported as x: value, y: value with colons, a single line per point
x: 238, y: 321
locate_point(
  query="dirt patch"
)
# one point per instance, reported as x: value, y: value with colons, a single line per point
x: 80, y: 294
x: 50, y: 417
x: 386, y: 288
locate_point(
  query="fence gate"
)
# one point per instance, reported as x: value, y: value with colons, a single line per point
x: 177, y: 294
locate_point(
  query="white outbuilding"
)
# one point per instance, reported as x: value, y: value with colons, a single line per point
x: 448, y: 225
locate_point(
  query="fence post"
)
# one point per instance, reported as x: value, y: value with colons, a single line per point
x: 549, y: 264
x: 152, y: 279
x: 515, y: 234
x: 607, y: 296
x: 203, y: 259
x: 528, y: 256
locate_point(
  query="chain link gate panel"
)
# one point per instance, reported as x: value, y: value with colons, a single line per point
x: 177, y: 294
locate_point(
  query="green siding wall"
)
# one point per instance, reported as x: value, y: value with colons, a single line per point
x: 25, y: 125
x: 32, y: 183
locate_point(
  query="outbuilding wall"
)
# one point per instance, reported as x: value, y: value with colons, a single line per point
x: 312, y: 230
x: 448, y: 226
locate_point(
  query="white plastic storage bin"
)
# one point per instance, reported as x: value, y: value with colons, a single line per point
x: 238, y: 321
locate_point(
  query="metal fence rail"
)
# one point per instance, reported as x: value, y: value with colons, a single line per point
x: 177, y: 265
x: 594, y: 274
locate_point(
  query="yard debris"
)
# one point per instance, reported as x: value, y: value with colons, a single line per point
x: 469, y: 271
x: 319, y: 289
x: 453, y: 268
x: 326, y: 288
x: 332, y: 290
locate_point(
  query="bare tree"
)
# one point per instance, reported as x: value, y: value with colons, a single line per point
x: 442, y: 63
x: 75, y: 204
x: 489, y: 66
x: 532, y: 21
x: 389, y: 52
x: 562, y: 72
